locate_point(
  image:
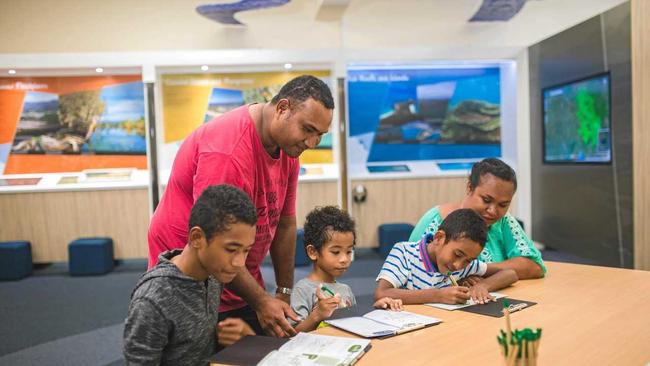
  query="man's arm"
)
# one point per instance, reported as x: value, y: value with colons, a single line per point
x: 271, y: 312
x: 283, y: 254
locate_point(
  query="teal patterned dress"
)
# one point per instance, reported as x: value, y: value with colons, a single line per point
x: 506, y: 239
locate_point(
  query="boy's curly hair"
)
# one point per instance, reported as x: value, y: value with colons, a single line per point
x: 219, y: 207
x: 320, y: 223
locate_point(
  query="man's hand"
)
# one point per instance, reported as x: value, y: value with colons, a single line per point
x: 389, y: 303
x: 454, y: 295
x: 325, y: 305
x: 284, y: 297
x: 480, y: 293
x: 231, y: 330
x: 272, y: 314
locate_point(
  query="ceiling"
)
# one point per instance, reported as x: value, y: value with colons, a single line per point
x: 441, y: 26
x: 442, y: 22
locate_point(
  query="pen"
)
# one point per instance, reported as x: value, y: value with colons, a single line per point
x: 383, y: 333
x: 327, y: 290
x: 451, y: 278
x: 404, y: 330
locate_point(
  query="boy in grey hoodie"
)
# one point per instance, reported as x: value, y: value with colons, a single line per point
x: 173, y: 313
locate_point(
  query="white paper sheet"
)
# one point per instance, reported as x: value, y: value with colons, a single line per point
x: 470, y: 302
x: 401, y: 319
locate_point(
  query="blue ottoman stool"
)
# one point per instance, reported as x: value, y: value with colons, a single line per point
x: 15, y: 260
x: 90, y: 256
x: 389, y: 234
x: 301, y: 256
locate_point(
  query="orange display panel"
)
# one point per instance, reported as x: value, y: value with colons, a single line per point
x: 65, y: 124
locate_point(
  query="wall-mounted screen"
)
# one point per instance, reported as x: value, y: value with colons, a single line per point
x: 577, y: 123
x: 423, y: 112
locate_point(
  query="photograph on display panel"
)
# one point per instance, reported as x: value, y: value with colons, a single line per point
x: 192, y: 99
x: 411, y: 113
x: 70, y: 123
x: 108, y: 120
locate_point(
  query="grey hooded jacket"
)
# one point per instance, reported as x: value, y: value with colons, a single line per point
x: 172, y: 317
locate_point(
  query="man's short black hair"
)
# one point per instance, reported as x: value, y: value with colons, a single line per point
x: 492, y: 166
x: 322, y: 221
x: 304, y: 87
x: 464, y: 223
x: 220, y: 206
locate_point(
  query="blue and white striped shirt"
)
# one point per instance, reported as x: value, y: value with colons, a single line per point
x: 408, y: 266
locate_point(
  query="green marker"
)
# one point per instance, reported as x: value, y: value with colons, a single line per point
x: 327, y: 290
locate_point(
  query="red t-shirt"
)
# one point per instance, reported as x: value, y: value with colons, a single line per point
x: 226, y: 150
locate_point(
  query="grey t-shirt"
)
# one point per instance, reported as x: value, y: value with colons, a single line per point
x: 303, y: 297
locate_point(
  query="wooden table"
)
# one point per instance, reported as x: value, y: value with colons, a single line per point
x: 589, y: 315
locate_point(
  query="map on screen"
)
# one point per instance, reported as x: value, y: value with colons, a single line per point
x: 577, y: 126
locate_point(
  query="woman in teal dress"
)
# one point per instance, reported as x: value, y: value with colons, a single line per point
x: 491, y: 186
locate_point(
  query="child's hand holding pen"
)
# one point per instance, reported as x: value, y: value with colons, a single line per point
x: 326, y: 304
x: 478, y: 291
x: 452, y: 295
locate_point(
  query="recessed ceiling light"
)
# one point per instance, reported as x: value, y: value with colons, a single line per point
x: 11, y: 72
x: 99, y: 69
x: 288, y: 66
x: 204, y: 68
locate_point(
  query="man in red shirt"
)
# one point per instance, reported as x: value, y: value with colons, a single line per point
x: 255, y: 148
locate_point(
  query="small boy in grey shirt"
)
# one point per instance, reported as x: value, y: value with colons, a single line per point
x: 329, y: 242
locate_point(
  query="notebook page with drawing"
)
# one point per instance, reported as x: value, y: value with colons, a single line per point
x: 383, y: 323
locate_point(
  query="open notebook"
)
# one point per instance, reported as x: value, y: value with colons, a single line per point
x: 307, y: 349
x: 383, y: 323
x: 469, y: 302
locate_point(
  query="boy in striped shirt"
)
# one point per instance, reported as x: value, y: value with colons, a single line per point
x: 416, y: 272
